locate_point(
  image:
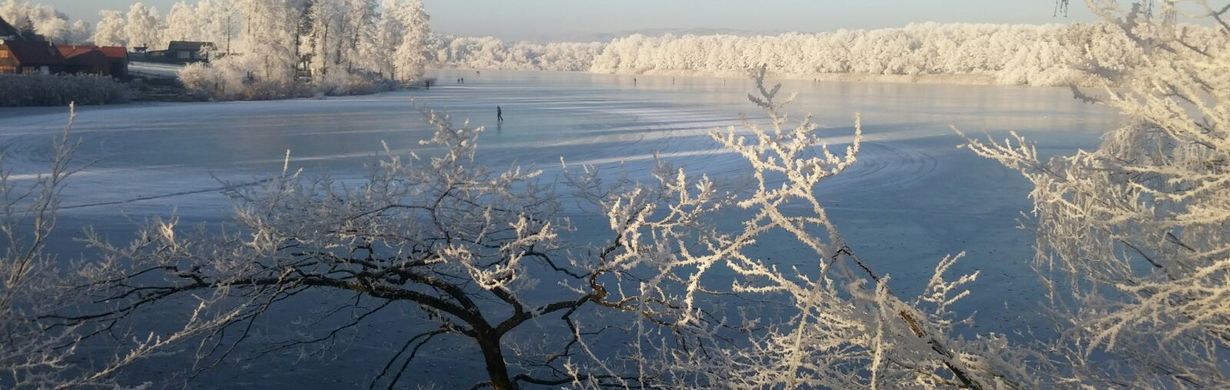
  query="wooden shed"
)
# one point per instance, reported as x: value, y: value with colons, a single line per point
x: 84, y: 59
x: 106, y: 60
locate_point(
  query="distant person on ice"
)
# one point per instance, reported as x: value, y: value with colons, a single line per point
x: 499, y: 114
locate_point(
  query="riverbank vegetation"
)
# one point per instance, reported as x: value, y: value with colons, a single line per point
x: 60, y: 90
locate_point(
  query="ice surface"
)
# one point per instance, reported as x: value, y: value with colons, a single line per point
x: 155, y: 69
x: 912, y: 197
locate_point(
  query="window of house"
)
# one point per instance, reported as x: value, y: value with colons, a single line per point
x: 8, y: 69
x: 4, y: 54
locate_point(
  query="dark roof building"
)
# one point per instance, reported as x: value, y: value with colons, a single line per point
x: 22, y: 31
x: 7, y: 31
x: 27, y: 57
x: 188, y: 51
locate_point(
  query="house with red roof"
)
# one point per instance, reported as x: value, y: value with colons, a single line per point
x: 21, y: 55
x: 106, y: 60
x: 84, y: 59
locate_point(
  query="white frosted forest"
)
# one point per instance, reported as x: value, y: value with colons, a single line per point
x: 350, y: 46
x: 744, y: 277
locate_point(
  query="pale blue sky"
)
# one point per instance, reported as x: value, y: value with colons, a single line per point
x: 580, y: 19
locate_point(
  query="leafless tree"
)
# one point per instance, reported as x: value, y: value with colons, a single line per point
x: 460, y: 243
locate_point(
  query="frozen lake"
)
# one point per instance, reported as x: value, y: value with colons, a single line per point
x: 912, y: 198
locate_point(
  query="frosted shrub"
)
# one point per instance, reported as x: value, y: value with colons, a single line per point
x: 35, y: 285
x: 832, y: 323
x: 60, y: 90
x: 232, y: 78
x: 340, y: 83
x: 28, y: 283
x: 201, y: 79
x: 1133, y: 238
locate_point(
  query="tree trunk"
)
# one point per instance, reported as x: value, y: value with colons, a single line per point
x: 497, y: 369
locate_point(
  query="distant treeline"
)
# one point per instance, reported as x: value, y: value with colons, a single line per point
x: 1006, y: 54
x: 493, y: 53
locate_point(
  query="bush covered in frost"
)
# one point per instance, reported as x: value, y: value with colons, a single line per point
x: 59, y: 90
x: 230, y: 79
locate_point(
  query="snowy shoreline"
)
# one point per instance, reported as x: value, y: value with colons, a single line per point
x: 951, y: 79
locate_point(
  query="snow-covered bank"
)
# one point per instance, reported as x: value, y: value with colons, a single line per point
x: 154, y: 69
x: 952, y: 79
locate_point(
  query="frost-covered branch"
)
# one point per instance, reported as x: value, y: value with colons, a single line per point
x: 837, y: 325
x: 1132, y: 237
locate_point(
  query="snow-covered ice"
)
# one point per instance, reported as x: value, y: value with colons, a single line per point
x: 154, y: 69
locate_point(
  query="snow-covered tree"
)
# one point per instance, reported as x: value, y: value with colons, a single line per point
x: 386, y: 37
x: 270, y: 33
x: 322, y: 46
x: 35, y: 287
x: 183, y: 23
x: 410, y: 58
x: 493, y: 53
x: 110, y: 29
x: 143, y: 27
x: 357, y: 29
x: 295, y: 47
x: 219, y: 22
x: 44, y: 20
